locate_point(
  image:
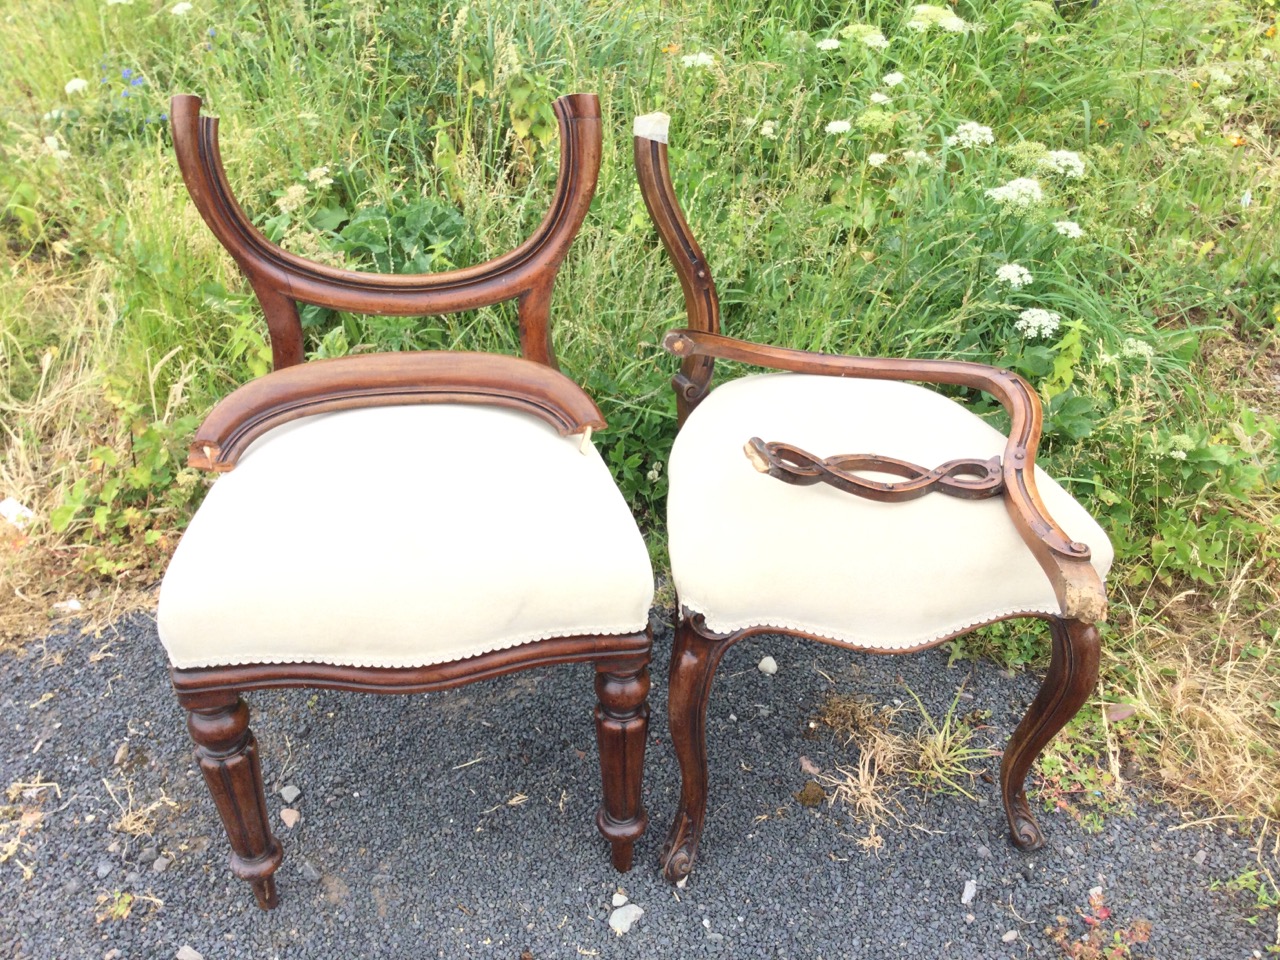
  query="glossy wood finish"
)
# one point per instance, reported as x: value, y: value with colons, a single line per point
x: 379, y: 379
x: 228, y: 756
x: 1072, y: 678
x: 218, y: 718
x: 1077, y: 586
x: 281, y: 279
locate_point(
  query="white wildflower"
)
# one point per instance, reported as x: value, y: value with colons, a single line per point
x: 877, y: 159
x: 294, y: 197
x: 892, y: 79
x: 925, y: 16
x: 1018, y: 196
x: 697, y: 60
x: 1069, y: 229
x: 1220, y: 76
x: 179, y: 9
x: 830, y: 43
x: 838, y: 126
x: 76, y: 85
x: 876, y: 40
x: 1133, y: 347
x: 1178, y: 454
x: 1221, y: 102
x: 1064, y: 162
x: 1035, y: 322
x: 1180, y: 443
x: 54, y: 147
x: 319, y: 176
x: 1015, y: 275
x: 916, y: 156
x: 970, y: 134
x: 769, y: 130
x: 880, y: 99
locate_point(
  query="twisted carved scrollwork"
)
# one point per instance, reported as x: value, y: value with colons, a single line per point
x: 966, y: 478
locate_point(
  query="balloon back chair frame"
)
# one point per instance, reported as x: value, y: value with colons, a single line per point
x: 697, y: 650
x: 217, y: 716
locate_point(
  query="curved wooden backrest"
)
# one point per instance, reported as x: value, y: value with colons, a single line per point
x: 281, y: 279
x: 701, y: 302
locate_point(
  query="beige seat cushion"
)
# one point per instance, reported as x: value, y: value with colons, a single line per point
x: 404, y: 536
x: 750, y: 550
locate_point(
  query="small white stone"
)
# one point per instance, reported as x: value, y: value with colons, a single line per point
x: 185, y: 952
x: 970, y: 891
x: 621, y: 920
x: 619, y: 899
x: 290, y: 793
x: 1011, y: 936
x: 70, y: 605
x: 768, y: 666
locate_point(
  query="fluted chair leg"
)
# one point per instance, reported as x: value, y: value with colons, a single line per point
x: 228, y: 757
x: 622, y: 727
x: 1072, y: 677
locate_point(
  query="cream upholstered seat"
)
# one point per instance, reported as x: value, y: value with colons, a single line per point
x: 887, y: 576
x: 338, y: 539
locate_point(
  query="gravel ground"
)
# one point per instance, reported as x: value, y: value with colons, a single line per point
x: 459, y: 824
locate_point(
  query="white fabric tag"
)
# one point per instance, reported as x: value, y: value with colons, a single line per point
x: 652, y: 126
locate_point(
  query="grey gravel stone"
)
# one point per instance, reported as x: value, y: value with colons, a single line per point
x: 1011, y: 936
x: 161, y: 864
x: 1201, y: 857
x: 970, y: 891
x: 186, y: 952
x: 105, y: 867
x: 290, y: 793
x: 148, y: 854
x: 984, y: 852
x: 458, y: 866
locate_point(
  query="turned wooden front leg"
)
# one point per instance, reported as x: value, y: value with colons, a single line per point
x: 228, y: 757
x: 1072, y: 677
x: 694, y: 658
x: 622, y: 726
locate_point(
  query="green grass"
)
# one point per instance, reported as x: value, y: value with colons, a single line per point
x: 123, y: 318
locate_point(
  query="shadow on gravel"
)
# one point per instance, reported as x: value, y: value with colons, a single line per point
x: 460, y: 825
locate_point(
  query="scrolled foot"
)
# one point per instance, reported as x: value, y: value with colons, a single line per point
x: 1024, y: 832
x: 680, y: 849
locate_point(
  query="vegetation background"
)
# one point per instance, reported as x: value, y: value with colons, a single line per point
x: 846, y: 168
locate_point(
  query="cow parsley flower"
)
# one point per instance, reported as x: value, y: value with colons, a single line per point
x: 1133, y: 347
x: 1015, y: 275
x: 76, y: 85
x: 769, y: 130
x: 1069, y: 229
x: 294, y: 197
x: 970, y: 134
x: 1035, y: 322
x: 1179, y: 445
x: 880, y: 98
x: 838, y: 126
x: 892, y: 79
x: 916, y: 156
x: 870, y: 36
x: 925, y: 16
x: 179, y: 9
x: 319, y: 176
x: 877, y: 159
x: 1018, y: 196
x: 830, y: 43
x: 53, y: 146
x: 876, y: 40
x: 1064, y: 162
x: 697, y: 60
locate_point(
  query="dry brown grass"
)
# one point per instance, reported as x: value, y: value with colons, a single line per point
x: 55, y: 338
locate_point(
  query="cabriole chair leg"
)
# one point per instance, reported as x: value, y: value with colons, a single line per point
x: 228, y: 757
x: 1072, y: 677
x: 694, y: 658
x: 622, y: 726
